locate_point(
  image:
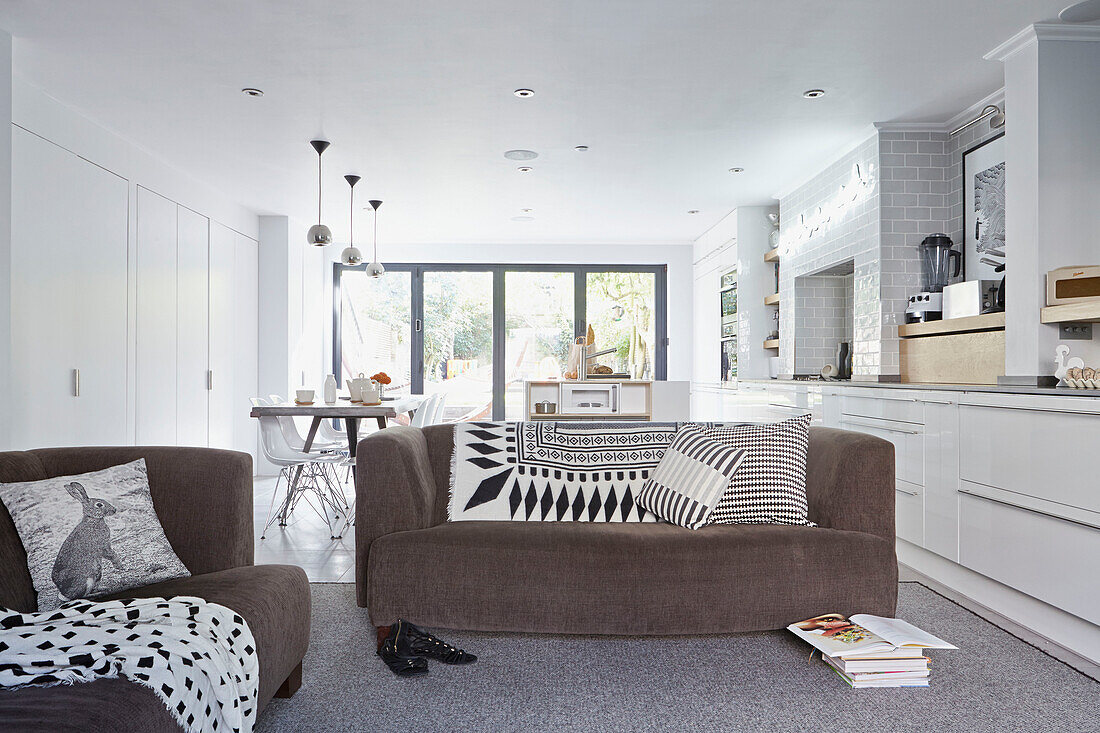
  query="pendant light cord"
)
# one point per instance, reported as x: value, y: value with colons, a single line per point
x: 318, y: 188
x: 376, y: 234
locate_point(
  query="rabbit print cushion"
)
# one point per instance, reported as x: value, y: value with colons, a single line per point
x: 90, y: 535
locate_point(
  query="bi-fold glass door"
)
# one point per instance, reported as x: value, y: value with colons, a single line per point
x: 476, y: 332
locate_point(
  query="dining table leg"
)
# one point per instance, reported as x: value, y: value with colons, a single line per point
x: 351, y: 425
x: 381, y: 422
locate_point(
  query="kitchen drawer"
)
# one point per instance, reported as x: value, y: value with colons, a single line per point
x: 909, y: 512
x: 903, y: 409
x: 1043, y: 453
x: 908, y: 440
x: 1044, y: 556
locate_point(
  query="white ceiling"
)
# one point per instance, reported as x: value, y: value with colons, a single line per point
x: 417, y: 98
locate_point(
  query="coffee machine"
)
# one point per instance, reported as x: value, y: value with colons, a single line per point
x: 937, y: 254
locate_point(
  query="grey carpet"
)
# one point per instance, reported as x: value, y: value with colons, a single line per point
x: 744, y: 682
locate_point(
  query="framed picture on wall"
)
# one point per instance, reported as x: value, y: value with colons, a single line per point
x: 984, y: 209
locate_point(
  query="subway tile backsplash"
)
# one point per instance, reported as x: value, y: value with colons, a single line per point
x: 915, y: 190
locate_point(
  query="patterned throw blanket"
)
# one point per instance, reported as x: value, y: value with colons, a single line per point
x: 198, y: 657
x: 549, y: 471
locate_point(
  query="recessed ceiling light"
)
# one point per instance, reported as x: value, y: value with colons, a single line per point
x: 520, y: 154
x: 813, y: 93
x: 1083, y: 12
x: 252, y: 92
x: 523, y: 218
x: 581, y: 148
x: 524, y: 93
x: 526, y: 211
x: 693, y: 211
x: 737, y: 170
x: 525, y: 169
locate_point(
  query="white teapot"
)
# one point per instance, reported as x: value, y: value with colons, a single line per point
x: 355, y: 387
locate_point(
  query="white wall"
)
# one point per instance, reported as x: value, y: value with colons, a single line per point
x: 1052, y: 86
x: 5, y: 237
x: 676, y: 256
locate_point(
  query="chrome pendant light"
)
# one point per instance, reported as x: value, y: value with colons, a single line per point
x: 375, y: 269
x: 319, y: 235
x: 351, y: 254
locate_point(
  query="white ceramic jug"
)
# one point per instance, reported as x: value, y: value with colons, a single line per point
x: 355, y: 387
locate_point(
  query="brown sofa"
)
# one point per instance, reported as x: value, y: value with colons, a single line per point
x: 204, y: 500
x: 592, y: 578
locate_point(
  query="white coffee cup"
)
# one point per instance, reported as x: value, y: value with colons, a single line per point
x: 304, y: 395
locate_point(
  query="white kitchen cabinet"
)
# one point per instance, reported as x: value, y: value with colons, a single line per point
x: 69, y: 279
x: 1040, y: 554
x: 192, y: 327
x: 941, y: 476
x: 233, y: 334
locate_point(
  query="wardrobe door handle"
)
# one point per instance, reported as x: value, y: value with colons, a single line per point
x: 906, y: 491
x: 76, y: 382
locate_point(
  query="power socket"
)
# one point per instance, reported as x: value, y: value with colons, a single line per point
x: 1075, y: 331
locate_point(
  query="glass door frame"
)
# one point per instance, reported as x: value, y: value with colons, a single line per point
x: 580, y: 325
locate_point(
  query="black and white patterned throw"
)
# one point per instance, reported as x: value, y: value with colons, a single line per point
x: 554, y: 471
x: 770, y: 485
x: 198, y: 657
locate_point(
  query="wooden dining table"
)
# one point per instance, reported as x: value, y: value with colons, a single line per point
x: 350, y: 412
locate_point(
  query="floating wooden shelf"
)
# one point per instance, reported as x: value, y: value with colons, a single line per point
x: 1087, y: 311
x: 986, y: 322
x: 772, y: 299
x: 771, y: 344
x: 772, y: 255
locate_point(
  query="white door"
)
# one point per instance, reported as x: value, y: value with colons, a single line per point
x: 69, y: 279
x: 246, y: 268
x: 233, y: 338
x: 192, y: 304
x: 156, y: 319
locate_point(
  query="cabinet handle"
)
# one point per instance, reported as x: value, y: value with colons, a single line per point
x: 1040, y: 512
x: 76, y: 382
x: 1034, y: 409
x: 938, y: 402
x: 906, y: 491
x: 849, y: 421
x: 209, y: 380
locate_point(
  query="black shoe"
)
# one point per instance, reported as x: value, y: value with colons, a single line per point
x: 413, y: 641
x: 400, y: 663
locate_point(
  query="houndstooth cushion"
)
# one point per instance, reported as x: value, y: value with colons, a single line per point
x: 770, y: 484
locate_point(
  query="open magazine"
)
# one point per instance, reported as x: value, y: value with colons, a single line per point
x: 863, y: 635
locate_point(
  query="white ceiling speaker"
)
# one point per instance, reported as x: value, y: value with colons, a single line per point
x: 520, y: 154
x: 375, y: 269
x: 351, y: 255
x: 1084, y: 12
x: 319, y: 235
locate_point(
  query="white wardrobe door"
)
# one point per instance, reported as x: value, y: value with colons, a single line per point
x: 245, y: 342
x: 68, y: 298
x: 234, y: 324
x: 192, y: 303
x: 222, y: 403
x: 156, y: 319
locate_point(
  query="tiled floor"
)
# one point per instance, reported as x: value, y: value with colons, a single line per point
x: 306, y: 540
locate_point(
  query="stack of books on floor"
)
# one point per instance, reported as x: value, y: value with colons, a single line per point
x: 871, y: 651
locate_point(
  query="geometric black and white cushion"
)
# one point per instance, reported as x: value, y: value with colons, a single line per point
x: 770, y: 485
x: 690, y: 479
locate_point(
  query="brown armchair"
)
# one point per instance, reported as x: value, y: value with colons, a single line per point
x: 204, y: 499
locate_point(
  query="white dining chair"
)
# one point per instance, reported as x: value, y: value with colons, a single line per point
x: 312, y: 478
x: 437, y: 419
x: 294, y: 438
x: 426, y: 412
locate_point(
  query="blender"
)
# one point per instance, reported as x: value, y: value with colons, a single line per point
x: 936, y: 257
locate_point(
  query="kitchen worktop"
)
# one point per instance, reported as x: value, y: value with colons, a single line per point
x: 998, y: 389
